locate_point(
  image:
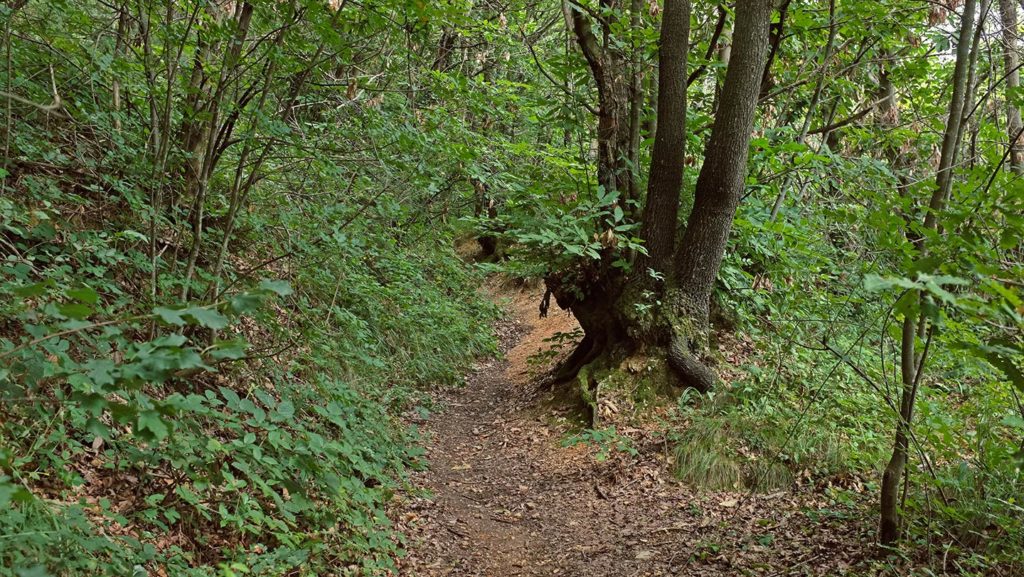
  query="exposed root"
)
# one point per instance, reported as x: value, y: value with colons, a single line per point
x: 690, y: 370
x: 589, y: 349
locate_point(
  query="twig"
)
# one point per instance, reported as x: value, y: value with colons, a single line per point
x: 67, y: 332
x: 794, y: 566
x: 52, y: 107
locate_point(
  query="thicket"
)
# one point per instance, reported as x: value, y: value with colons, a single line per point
x: 223, y: 280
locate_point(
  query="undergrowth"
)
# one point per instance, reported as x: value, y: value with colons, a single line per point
x: 139, y: 442
x: 252, y: 427
x: 726, y: 446
x: 810, y: 402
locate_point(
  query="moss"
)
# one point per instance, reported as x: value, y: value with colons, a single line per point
x: 642, y: 379
x: 685, y: 318
x: 652, y: 379
x: 583, y: 384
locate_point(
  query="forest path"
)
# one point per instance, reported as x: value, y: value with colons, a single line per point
x: 505, y: 497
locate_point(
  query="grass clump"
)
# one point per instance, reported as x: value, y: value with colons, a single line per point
x: 725, y: 445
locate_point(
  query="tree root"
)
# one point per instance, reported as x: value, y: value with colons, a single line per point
x: 589, y: 349
x: 690, y: 370
x: 681, y: 359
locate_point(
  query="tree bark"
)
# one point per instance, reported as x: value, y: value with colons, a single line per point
x: 604, y: 302
x: 720, y: 183
x: 661, y: 211
x: 636, y: 100
x: 1011, y: 60
x: 972, y: 81
x: 445, y: 46
x: 608, y: 66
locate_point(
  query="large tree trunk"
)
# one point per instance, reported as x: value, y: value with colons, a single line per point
x: 718, y: 192
x: 605, y: 302
x: 661, y: 211
x: 592, y: 288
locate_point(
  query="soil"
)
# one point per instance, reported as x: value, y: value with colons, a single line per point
x: 505, y: 495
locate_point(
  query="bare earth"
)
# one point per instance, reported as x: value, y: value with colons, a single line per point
x: 504, y: 497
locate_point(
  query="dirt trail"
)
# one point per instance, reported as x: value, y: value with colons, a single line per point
x: 505, y: 497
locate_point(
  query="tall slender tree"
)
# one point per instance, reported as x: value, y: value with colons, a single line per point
x: 661, y: 211
x: 915, y: 325
x: 719, y: 188
x: 608, y: 64
x: 1011, y: 63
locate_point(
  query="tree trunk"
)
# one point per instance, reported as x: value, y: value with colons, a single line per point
x: 604, y: 302
x: 812, y: 106
x: 724, y: 56
x: 592, y: 288
x: 719, y: 187
x: 444, y: 49
x: 914, y: 324
x: 198, y: 184
x: 661, y: 211
x: 775, y: 35
x: 889, y: 522
x: 972, y: 80
x: 608, y: 66
x: 636, y: 100
x: 1011, y: 60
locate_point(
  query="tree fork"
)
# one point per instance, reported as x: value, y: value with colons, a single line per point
x: 718, y: 191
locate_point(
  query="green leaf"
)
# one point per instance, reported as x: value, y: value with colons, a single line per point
x: 13, y: 491
x: 32, y: 290
x: 1000, y: 354
x: 77, y: 311
x: 285, y: 410
x: 83, y: 295
x: 936, y: 289
x: 153, y: 422
x: 279, y: 287
x: 170, y: 316
x: 230, y: 396
x: 245, y: 302
x: 232, y: 350
x: 1014, y: 421
x: 132, y: 234
x: 171, y: 341
x: 875, y: 283
x: 207, y: 317
x: 33, y: 571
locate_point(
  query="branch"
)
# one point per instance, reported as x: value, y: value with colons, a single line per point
x: 543, y: 71
x: 712, y: 45
x: 588, y: 42
x: 846, y: 121
x: 775, y: 38
x: 593, y: 13
x: 52, y: 107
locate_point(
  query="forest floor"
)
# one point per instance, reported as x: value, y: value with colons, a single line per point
x: 505, y: 496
